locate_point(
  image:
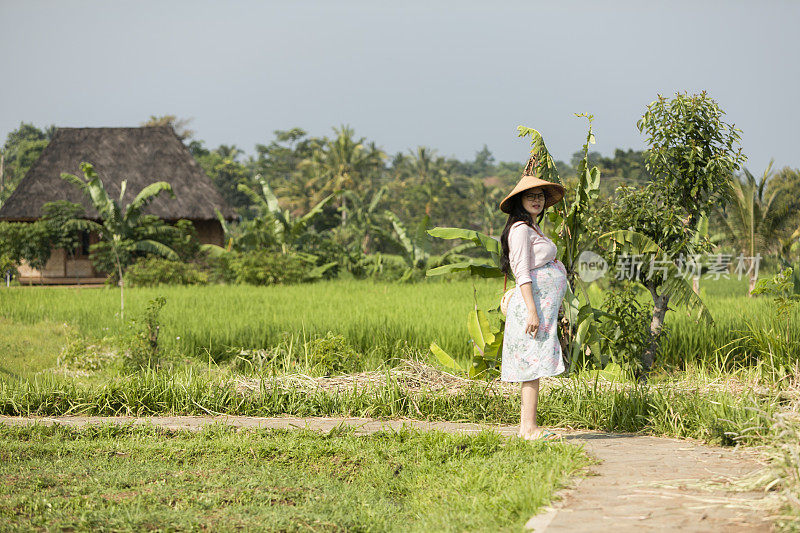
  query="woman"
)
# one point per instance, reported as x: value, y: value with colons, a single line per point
x: 531, y: 349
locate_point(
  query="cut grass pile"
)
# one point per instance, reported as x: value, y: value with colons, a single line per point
x: 715, y: 415
x: 221, y: 479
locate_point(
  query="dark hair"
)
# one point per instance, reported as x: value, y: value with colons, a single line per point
x: 517, y: 214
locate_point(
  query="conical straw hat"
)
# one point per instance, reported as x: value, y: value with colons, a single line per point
x: 554, y: 191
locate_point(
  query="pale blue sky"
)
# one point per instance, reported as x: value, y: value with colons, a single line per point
x: 450, y: 75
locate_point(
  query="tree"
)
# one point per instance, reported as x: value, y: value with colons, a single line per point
x: 281, y: 163
x: 691, y: 151
x: 364, y: 216
x: 22, y: 148
x: 223, y: 167
x: 118, y: 226
x: 646, y: 237
x: 288, y: 230
x: 177, y: 125
x: 345, y: 163
x: 691, y: 157
x: 424, y: 175
x: 752, y: 221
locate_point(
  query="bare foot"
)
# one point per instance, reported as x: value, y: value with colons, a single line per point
x: 543, y: 434
x: 529, y: 433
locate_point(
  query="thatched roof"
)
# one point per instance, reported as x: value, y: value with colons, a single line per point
x: 140, y: 155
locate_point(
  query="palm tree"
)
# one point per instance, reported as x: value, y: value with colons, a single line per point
x: 702, y: 233
x: 488, y: 201
x: 754, y: 222
x: 364, y: 215
x: 427, y: 172
x: 119, y: 225
x: 345, y: 164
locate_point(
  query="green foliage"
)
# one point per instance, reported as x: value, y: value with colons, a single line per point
x: 626, y: 331
x: 268, y: 268
x: 487, y: 344
x: 153, y: 271
x: 332, y: 354
x: 415, y: 247
x: 56, y: 216
x: 28, y: 241
x: 671, y: 283
x: 223, y: 167
x: 784, y: 287
x: 479, y: 267
x: 185, y: 241
x: 691, y: 151
x: 345, y: 163
x: 139, y: 342
x: 22, y: 148
x: 379, y: 266
x: 7, y: 266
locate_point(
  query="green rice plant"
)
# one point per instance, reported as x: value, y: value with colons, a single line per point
x: 379, y: 320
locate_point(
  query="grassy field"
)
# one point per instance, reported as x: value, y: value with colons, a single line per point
x: 57, y: 356
x: 379, y: 320
x: 220, y: 479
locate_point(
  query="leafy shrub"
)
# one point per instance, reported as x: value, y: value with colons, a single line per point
x: 383, y: 267
x: 152, y: 271
x: 140, y: 342
x: 625, y: 338
x: 267, y: 268
x: 185, y: 241
x: 332, y: 355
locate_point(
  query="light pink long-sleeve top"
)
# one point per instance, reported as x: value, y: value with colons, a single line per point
x: 527, y: 249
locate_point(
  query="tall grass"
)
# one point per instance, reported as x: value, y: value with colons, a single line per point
x: 716, y: 416
x: 204, y: 321
x: 377, y: 319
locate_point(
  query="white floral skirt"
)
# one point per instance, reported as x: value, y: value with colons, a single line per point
x: 525, y: 357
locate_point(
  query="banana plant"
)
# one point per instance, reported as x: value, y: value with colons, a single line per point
x: 118, y: 226
x: 363, y: 215
x: 487, y: 345
x: 482, y: 268
x: 288, y: 229
x: 571, y: 223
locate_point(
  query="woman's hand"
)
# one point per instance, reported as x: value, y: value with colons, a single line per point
x: 532, y: 324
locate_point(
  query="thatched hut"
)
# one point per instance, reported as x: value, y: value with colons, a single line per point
x: 141, y: 156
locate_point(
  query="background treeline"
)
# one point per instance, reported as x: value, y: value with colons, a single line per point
x: 302, y: 170
x: 370, y: 208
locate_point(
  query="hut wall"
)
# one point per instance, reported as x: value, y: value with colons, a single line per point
x: 56, y: 266
x: 209, y: 232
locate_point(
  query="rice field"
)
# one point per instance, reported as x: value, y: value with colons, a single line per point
x: 719, y: 397
x: 379, y: 320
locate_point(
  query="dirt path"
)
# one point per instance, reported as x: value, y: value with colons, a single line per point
x: 642, y: 484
